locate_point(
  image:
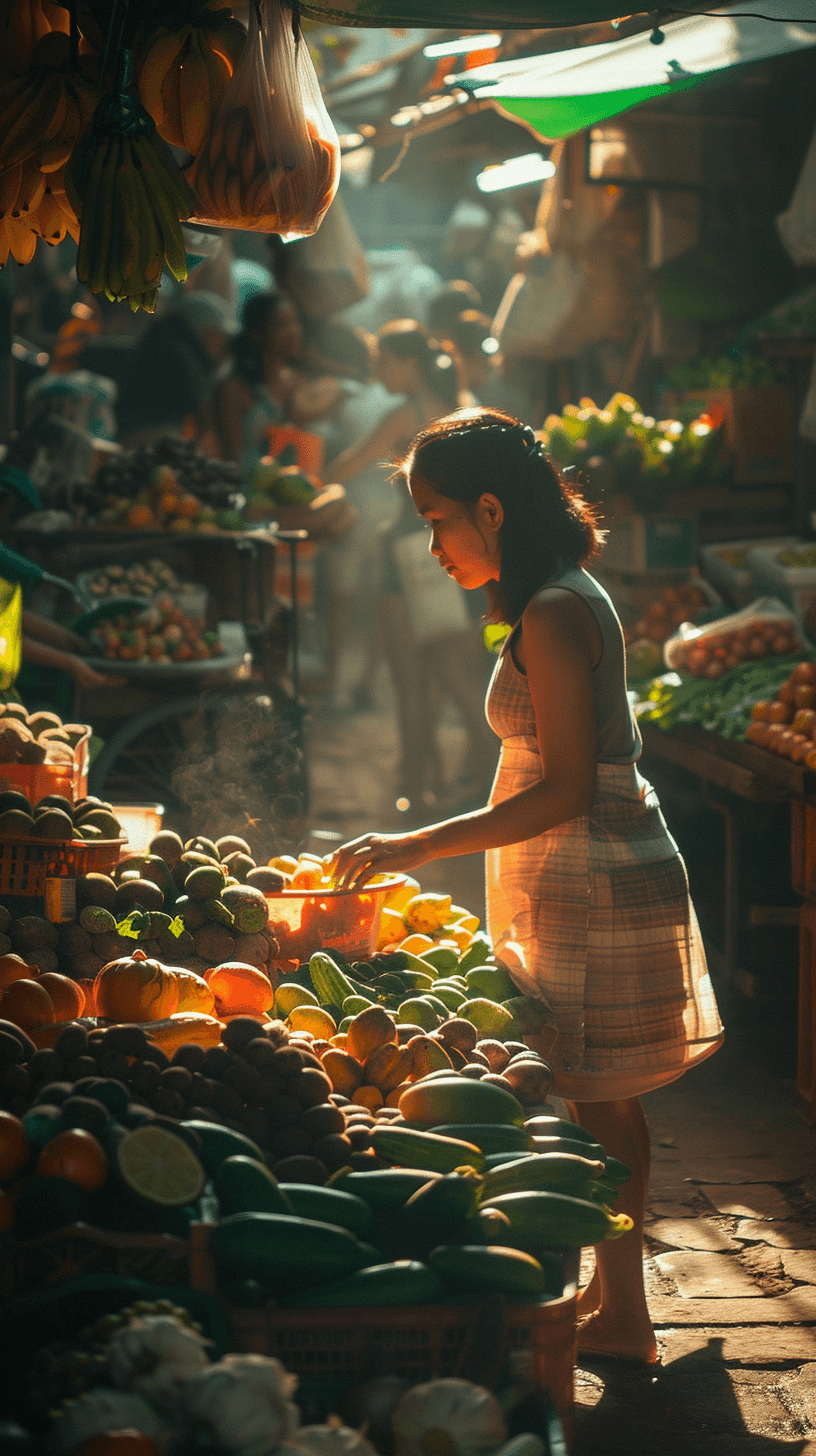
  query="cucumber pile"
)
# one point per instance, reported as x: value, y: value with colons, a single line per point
x: 446, y: 1220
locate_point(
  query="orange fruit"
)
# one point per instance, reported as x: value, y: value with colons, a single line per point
x: 14, y: 1148
x: 239, y: 987
x: 370, y: 1097
x: 140, y: 517
x: 76, y: 1155
x: 26, y: 1003
x: 188, y: 506
x: 68, y: 997
x: 6, y: 1212
x: 14, y: 968
x: 87, y: 988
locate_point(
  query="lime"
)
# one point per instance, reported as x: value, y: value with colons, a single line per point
x: 160, y: 1166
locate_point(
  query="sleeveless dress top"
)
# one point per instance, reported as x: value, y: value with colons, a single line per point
x: 593, y: 917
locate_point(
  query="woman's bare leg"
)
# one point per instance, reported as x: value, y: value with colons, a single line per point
x: 620, y: 1324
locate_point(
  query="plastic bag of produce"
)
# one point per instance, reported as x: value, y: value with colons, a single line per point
x: 271, y: 159
x: 765, y: 628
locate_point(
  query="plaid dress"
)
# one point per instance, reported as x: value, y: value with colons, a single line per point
x: 594, y: 918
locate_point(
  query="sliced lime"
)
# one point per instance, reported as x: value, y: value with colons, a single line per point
x: 160, y: 1166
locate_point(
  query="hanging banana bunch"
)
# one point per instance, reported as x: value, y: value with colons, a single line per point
x: 130, y: 197
x: 184, y: 75
x: 42, y: 115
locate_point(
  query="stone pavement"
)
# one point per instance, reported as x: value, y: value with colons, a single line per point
x: 730, y: 1257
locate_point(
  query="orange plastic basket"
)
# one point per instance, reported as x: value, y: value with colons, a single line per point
x: 82, y: 1249
x: 26, y: 864
x: 347, y: 920
x: 35, y: 780
x: 333, y: 1349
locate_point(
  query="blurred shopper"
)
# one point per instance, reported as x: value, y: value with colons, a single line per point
x: 476, y: 355
x: 266, y: 385
x: 171, y: 372
x: 427, y: 662
x: 451, y: 301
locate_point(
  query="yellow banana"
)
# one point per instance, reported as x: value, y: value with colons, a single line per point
x: 161, y: 53
x: 105, y: 208
x: 32, y: 189
x: 153, y: 153
x: 166, y: 216
x: 49, y: 220
x: 219, y: 70
x: 124, y: 278
x: 228, y: 41
x: 22, y: 241
x: 194, y: 92
x: 171, y: 127
x: 22, y: 125
x: 10, y: 179
x: 149, y: 255
x: 58, y: 91
x: 89, y: 219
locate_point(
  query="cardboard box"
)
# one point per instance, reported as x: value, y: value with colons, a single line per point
x: 650, y: 543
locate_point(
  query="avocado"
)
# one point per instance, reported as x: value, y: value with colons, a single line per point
x: 204, y: 882
x: 10, y: 799
x: 54, y: 824
x: 248, y: 907
x: 15, y: 824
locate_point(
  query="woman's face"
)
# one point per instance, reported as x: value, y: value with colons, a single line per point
x: 464, y: 537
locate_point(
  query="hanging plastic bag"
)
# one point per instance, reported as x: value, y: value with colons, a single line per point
x: 271, y: 159
x: 765, y: 628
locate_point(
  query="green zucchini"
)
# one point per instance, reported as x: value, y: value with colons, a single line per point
x: 405, y: 1281
x: 542, y: 1126
x: 384, y: 1189
x: 219, y: 1142
x: 616, y: 1171
x: 331, y: 986
x: 544, y: 1170
x: 330, y: 1205
x: 424, y: 1149
x: 283, y: 1251
x: 474, y: 1268
x: 578, y: 1146
x: 491, y: 1137
x: 547, y: 1220
x: 243, y: 1185
x: 498, y: 1160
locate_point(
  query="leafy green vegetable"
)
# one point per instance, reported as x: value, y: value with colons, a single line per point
x: 722, y: 707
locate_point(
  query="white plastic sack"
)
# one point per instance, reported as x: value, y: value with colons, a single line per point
x: 328, y: 271
x: 807, y: 419
x: 765, y: 628
x: 537, y: 303
x: 797, y: 225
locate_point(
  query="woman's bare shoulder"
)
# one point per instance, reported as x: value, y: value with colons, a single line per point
x: 557, y: 613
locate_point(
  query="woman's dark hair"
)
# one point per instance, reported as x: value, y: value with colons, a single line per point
x: 256, y: 316
x: 546, y: 523
x: 406, y: 339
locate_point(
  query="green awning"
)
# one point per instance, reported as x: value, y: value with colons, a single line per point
x: 562, y: 93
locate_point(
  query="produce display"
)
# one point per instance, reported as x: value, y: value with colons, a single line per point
x: 786, y: 724
x: 39, y: 737
x: 271, y: 483
x: 797, y: 557
x: 169, y: 485
x: 724, y: 707
x: 621, y: 449
x: 161, y: 633
x: 661, y: 617
x: 149, y: 1364
x: 55, y: 818
x: 142, y: 579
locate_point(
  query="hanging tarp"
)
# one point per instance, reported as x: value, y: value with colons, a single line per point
x: 562, y: 93
x: 467, y: 15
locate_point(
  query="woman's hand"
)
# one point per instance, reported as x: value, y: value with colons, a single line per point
x: 372, y: 854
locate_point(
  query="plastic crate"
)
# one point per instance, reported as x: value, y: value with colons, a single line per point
x: 736, y: 582
x: 331, y: 1349
x: 26, y: 864
x: 81, y: 1249
x: 794, y: 585
x: 35, y: 780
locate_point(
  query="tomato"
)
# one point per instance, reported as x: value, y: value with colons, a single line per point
x: 787, y: 692
x: 804, y: 672
x: 780, y: 712
x: 760, y: 713
x: 804, y: 695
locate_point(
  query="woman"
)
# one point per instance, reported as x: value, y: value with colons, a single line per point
x: 412, y: 365
x: 264, y: 386
x: 587, y: 895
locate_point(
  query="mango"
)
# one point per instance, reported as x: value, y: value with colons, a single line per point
x: 427, y: 912
x: 489, y: 1017
x: 493, y: 982
x: 367, y: 1031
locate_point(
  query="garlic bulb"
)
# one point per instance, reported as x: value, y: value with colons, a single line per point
x: 447, y: 1418
x: 103, y: 1410
x: 242, y: 1404
x: 333, y: 1441
x: 153, y: 1356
